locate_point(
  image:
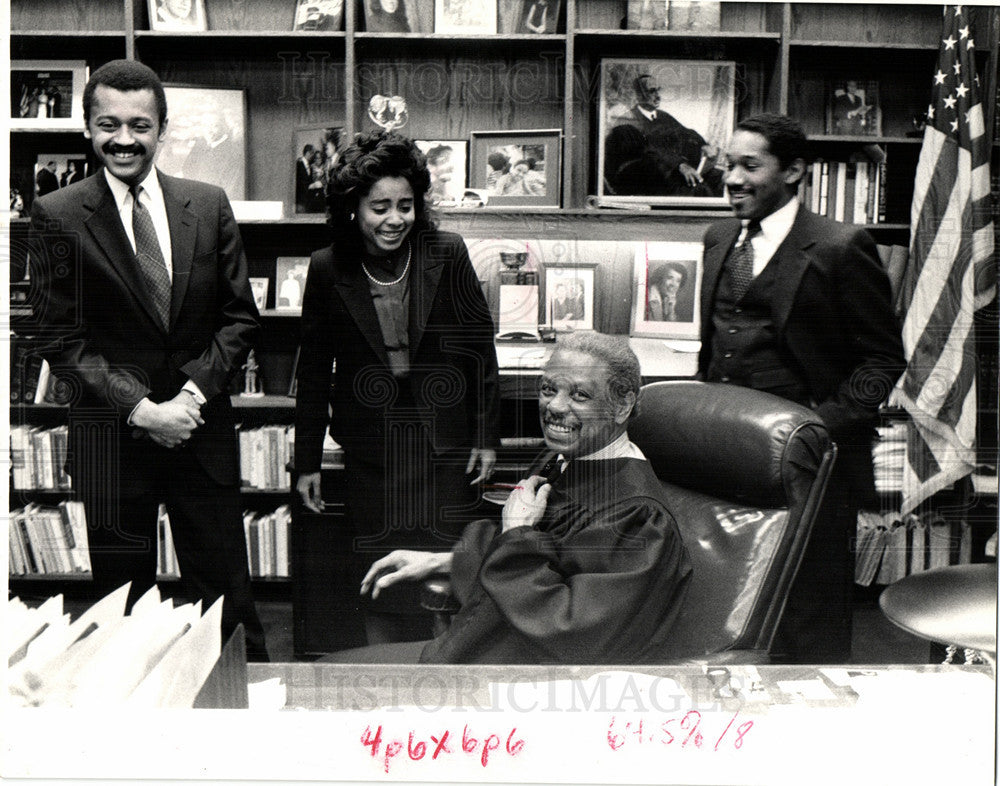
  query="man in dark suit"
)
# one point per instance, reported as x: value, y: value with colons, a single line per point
x: 46, y: 180
x: 151, y: 313
x: 802, y: 310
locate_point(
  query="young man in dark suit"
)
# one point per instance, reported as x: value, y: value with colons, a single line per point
x: 799, y: 305
x: 146, y: 296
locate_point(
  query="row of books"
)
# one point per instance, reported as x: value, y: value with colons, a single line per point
x: 47, y: 539
x: 158, y: 656
x: 890, y: 546
x: 38, y: 458
x: 265, y: 455
x: 52, y: 540
x: 851, y: 191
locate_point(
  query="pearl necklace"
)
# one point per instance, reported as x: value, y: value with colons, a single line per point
x: 406, y: 269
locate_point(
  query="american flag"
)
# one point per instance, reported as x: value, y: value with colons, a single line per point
x: 951, y: 272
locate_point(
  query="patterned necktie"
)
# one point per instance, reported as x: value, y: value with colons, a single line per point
x: 741, y: 262
x: 149, y: 255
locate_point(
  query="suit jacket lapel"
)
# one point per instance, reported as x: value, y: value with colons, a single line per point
x: 793, y: 258
x: 425, y: 276
x: 104, y: 223
x: 183, y: 232
x: 352, y: 285
x: 715, y: 256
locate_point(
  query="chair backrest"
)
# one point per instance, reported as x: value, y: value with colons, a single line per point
x: 745, y: 473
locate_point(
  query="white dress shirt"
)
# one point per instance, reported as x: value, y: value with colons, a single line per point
x: 152, y: 200
x: 773, y: 231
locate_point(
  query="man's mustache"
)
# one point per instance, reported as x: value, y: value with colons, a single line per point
x: 113, y: 147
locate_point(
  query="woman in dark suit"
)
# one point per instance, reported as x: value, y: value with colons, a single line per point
x: 395, y: 307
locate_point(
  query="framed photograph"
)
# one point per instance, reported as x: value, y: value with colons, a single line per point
x: 177, y: 15
x: 391, y: 16
x: 569, y: 296
x: 58, y: 170
x: 290, y: 282
x: 517, y: 167
x: 47, y: 94
x: 206, y: 137
x: 647, y: 14
x: 667, y: 280
x: 465, y: 17
x: 259, y: 288
x: 315, y: 150
x: 852, y: 108
x: 662, y: 127
x: 527, y: 17
x: 447, y: 161
x: 319, y: 15
x: 673, y: 15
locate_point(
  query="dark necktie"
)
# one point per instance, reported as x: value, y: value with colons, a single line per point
x: 149, y: 255
x: 741, y: 262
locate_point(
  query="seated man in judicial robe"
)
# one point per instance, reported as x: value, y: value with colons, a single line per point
x: 586, y: 564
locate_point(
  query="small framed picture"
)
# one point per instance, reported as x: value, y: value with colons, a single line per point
x: 647, y: 14
x: 259, y: 288
x: 315, y: 149
x: 517, y: 167
x: 667, y: 280
x: 569, y: 296
x: 447, y: 161
x: 465, y: 17
x: 58, y: 170
x: 663, y: 124
x: 390, y: 16
x: 853, y: 109
x: 528, y: 17
x: 290, y: 282
x: 319, y: 16
x: 47, y: 94
x: 206, y: 137
x: 177, y: 15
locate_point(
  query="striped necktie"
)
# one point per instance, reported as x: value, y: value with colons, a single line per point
x: 149, y: 255
x: 741, y: 262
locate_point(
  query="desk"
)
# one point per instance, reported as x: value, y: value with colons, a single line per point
x: 663, y: 724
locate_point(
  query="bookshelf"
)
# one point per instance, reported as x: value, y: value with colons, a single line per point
x: 786, y: 55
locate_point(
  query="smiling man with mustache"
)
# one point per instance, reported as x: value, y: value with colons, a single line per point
x: 587, y: 563
x: 147, y: 300
x: 799, y: 305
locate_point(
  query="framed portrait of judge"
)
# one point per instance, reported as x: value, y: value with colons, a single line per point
x: 662, y: 125
x: 666, y: 282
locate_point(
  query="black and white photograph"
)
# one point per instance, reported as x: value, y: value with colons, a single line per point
x: 853, y: 108
x: 447, y: 161
x: 569, y: 296
x: 47, y: 94
x: 319, y: 16
x: 465, y: 17
x: 206, y: 137
x: 58, y: 170
x: 316, y: 150
x: 517, y: 167
x: 290, y: 282
x: 667, y: 282
x: 389, y: 16
x: 259, y: 287
x: 528, y: 17
x: 177, y: 15
x: 662, y: 125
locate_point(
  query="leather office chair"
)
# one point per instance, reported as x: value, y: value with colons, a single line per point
x: 745, y: 473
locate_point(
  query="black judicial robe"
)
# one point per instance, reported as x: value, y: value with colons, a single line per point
x: 599, y: 579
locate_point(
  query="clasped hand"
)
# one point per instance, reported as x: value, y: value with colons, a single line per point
x: 526, y: 504
x: 169, y: 423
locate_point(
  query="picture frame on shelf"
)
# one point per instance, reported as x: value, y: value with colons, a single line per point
x: 447, y: 161
x: 852, y: 108
x: 290, y: 283
x: 465, y: 17
x: 58, y: 170
x: 517, y: 168
x: 528, y: 17
x: 647, y: 14
x: 259, y: 287
x: 318, y: 16
x: 315, y: 150
x: 666, y: 283
x: 569, y: 296
x: 391, y: 16
x: 657, y: 153
x: 186, y: 16
x: 206, y: 137
x: 684, y: 15
x: 47, y: 94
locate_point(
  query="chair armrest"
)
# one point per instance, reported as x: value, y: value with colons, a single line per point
x: 435, y: 595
